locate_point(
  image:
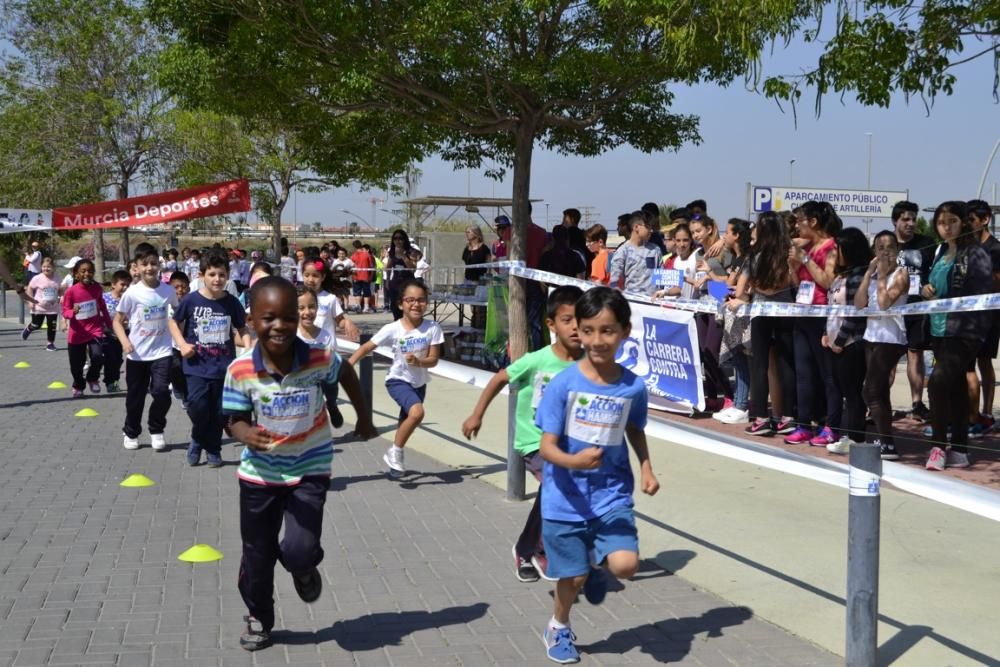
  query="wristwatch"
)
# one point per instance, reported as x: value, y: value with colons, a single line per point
x: 806, y: 260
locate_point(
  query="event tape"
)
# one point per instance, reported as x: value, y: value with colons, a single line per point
x: 488, y: 265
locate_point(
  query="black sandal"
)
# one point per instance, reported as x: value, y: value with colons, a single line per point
x: 254, y: 636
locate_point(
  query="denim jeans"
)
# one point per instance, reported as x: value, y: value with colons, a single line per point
x: 741, y: 364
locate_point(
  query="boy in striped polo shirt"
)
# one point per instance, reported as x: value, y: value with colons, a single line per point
x: 285, y: 468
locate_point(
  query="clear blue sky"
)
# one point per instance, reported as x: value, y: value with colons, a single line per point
x: 747, y: 138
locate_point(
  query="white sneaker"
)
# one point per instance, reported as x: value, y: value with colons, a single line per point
x: 842, y: 446
x: 953, y: 459
x: 936, y: 460
x: 159, y: 444
x: 130, y: 443
x: 732, y: 415
x: 394, y: 460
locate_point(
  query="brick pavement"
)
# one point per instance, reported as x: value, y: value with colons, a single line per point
x: 416, y: 573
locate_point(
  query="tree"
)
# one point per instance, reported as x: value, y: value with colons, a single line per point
x: 87, y: 68
x: 489, y: 80
x: 882, y: 47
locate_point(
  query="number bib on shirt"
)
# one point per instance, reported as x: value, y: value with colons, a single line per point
x: 807, y: 289
x: 88, y: 309
x: 597, y: 420
x: 914, y: 284
x: 286, y: 412
x: 541, y: 381
x: 213, y: 330
x: 50, y: 294
x: 414, y: 345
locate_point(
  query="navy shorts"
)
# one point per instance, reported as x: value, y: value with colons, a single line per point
x: 568, y: 544
x: 362, y: 288
x: 405, y: 395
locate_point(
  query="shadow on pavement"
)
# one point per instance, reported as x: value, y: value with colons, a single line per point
x: 670, y: 640
x: 414, y: 479
x: 672, y: 561
x: 373, y: 631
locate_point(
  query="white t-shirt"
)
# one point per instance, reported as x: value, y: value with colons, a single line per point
x: 147, y: 311
x: 322, y: 340
x: 406, y: 341
x: 287, y: 268
x: 34, y: 261
x: 421, y: 269
x: 193, y: 269
x: 327, y: 311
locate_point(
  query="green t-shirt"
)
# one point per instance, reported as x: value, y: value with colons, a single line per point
x: 939, y: 281
x: 530, y: 374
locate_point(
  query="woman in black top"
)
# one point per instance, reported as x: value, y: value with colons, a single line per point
x: 399, y: 266
x: 476, y: 252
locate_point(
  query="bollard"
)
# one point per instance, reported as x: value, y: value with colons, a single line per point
x: 3, y: 306
x: 365, y: 374
x: 20, y: 312
x: 862, y: 555
x: 515, y: 464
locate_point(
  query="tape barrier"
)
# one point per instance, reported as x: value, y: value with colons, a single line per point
x: 489, y: 265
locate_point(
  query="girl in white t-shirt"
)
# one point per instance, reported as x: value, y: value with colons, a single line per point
x: 416, y: 346
x: 317, y: 277
x: 314, y: 336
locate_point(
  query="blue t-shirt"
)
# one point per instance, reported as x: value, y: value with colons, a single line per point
x: 584, y: 414
x: 208, y: 325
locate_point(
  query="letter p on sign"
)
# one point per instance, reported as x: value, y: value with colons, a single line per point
x: 761, y: 199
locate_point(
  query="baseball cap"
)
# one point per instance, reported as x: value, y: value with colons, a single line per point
x: 502, y: 221
x: 72, y: 262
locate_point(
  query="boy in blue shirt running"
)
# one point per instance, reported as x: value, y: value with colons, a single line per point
x: 587, y: 519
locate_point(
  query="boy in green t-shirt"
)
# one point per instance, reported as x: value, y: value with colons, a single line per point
x: 530, y: 374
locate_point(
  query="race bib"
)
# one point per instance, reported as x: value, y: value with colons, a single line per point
x: 50, y: 294
x: 597, y: 420
x: 152, y: 314
x: 213, y: 330
x: 667, y: 278
x: 88, y: 309
x: 286, y: 412
x: 541, y: 381
x: 414, y: 345
x: 807, y: 289
x: 914, y: 284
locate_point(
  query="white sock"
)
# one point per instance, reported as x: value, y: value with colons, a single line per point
x: 556, y: 625
x: 397, y: 450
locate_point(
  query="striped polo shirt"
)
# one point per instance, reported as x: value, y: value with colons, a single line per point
x: 292, y: 406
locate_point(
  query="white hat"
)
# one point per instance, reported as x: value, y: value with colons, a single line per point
x: 72, y: 261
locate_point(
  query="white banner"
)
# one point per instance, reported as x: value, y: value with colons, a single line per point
x: 853, y: 203
x: 25, y: 220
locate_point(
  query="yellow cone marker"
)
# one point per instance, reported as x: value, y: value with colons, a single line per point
x: 137, y: 481
x: 22, y: 364
x: 57, y: 385
x: 200, y: 553
x: 87, y: 412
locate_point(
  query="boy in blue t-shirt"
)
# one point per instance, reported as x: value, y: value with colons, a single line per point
x: 585, y: 414
x: 531, y: 375
x: 202, y: 329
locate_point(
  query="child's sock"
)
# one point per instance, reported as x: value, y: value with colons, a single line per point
x: 397, y: 450
x: 556, y: 625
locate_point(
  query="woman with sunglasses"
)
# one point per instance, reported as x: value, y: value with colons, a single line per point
x: 399, y: 265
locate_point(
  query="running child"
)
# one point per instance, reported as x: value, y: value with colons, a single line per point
x: 202, y: 328
x: 416, y: 346
x: 317, y: 276
x: 178, y: 381
x: 120, y: 281
x: 284, y: 472
x: 87, y: 316
x: 313, y: 336
x: 147, y: 349
x: 531, y: 374
x: 586, y: 412
x: 45, y: 290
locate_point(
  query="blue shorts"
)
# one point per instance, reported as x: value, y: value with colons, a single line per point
x: 568, y: 543
x: 405, y: 395
x: 362, y: 288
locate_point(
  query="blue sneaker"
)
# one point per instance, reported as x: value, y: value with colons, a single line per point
x: 559, y: 645
x: 214, y: 459
x: 595, y: 589
x: 193, y: 454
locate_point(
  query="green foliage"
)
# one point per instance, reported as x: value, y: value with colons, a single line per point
x: 882, y: 47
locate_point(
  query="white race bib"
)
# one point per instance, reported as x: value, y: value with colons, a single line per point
x: 914, y: 284
x: 541, y: 381
x: 88, y: 309
x: 50, y: 294
x: 597, y: 420
x: 286, y: 412
x: 213, y: 330
x: 417, y: 345
x: 807, y: 289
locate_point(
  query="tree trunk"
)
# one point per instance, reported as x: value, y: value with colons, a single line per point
x: 517, y: 316
x: 124, y: 252
x: 279, y: 207
x: 99, y: 254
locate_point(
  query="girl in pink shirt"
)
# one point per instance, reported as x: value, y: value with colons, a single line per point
x: 87, y: 315
x: 45, y: 291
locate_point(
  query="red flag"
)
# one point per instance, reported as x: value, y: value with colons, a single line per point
x: 197, y: 202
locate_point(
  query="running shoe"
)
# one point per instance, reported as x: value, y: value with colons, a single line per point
x: 559, y: 646
x: 920, y: 411
x: 394, y: 459
x: 78, y: 393
x: 130, y: 443
x: 523, y: 569
x: 113, y: 388
x: 760, y: 426
x: 953, y: 459
x: 158, y: 442
x: 51, y: 347
x: 785, y: 426
x: 825, y: 437
x: 798, y: 437
x: 541, y: 564
x: 308, y: 585
x: 888, y: 451
x: 26, y: 332
x: 936, y: 460
x: 254, y: 636
x: 842, y: 446
x: 732, y: 415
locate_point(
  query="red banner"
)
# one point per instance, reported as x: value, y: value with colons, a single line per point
x: 198, y: 202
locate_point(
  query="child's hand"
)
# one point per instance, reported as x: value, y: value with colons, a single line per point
x: 648, y: 483
x: 258, y: 439
x: 471, y: 426
x: 76, y: 308
x: 365, y: 431
x: 187, y: 350
x: 412, y: 359
x: 588, y: 459
x: 128, y: 348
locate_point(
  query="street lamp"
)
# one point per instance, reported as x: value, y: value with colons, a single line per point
x: 344, y: 210
x: 869, y: 178
x: 791, y: 179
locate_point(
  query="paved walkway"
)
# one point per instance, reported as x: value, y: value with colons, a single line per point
x: 416, y: 573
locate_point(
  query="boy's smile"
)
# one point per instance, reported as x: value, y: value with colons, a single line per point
x: 275, y: 315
